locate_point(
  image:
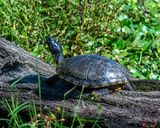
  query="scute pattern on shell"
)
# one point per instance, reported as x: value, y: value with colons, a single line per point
x: 92, y: 71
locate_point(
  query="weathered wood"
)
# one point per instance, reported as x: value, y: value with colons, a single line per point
x: 124, y: 109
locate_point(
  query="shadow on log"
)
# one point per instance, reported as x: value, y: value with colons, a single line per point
x: 19, y: 73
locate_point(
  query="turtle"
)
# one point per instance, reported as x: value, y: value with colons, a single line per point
x: 90, y: 70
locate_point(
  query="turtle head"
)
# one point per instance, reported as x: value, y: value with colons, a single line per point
x: 55, y: 49
x: 53, y: 45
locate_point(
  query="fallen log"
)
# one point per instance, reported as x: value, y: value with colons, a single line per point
x: 23, y: 78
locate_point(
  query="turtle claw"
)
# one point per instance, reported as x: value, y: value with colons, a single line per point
x: 128, y: 87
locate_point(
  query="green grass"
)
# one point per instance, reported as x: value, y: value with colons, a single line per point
x: 37, y: 117
x: 126, y: 31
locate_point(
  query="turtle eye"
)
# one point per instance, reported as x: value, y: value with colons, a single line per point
x: 56, y: 47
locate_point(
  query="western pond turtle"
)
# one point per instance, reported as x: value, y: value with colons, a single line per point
x: 90, y: 70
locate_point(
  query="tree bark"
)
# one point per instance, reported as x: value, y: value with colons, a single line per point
x: 24, y: 78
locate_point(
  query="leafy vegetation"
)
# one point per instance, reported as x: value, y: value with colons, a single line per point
x: 127, y: 31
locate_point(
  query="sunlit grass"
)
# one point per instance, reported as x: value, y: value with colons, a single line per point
x: 126, y: 31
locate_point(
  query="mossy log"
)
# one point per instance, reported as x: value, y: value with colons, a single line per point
x: 19, y: 79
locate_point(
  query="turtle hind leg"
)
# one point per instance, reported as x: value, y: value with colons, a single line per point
x: 99, y: 93
x: 128, y: 87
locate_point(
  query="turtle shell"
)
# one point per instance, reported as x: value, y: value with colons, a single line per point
x: 92, y: 71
